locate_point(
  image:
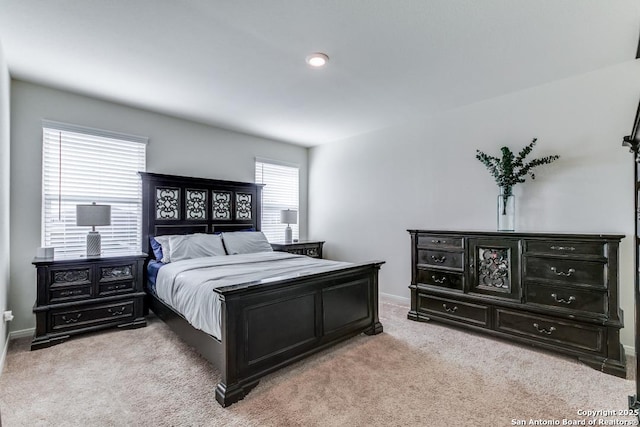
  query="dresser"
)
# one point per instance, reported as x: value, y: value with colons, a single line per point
x: 311, y: 248
x: 77, y: 295
x: 554, y: 291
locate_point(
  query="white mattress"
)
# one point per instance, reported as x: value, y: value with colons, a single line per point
x: 188, y: 285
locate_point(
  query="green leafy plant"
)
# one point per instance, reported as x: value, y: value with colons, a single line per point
x: 511, y: 170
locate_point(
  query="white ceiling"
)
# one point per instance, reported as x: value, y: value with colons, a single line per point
x: 240, y: 64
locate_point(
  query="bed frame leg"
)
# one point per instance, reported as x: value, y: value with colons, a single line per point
x: 228, y: 395
x: 375, y: 329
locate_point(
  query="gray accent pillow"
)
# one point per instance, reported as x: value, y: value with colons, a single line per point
x: 195, y: 246
x: 246, y: 242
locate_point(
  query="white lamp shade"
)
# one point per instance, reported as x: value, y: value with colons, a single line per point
x: 288, y: 216
x: 93, y: 215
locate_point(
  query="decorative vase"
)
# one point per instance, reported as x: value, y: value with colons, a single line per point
x: 506, y: 211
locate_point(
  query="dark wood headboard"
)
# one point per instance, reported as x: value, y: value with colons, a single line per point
x: 174, y: 204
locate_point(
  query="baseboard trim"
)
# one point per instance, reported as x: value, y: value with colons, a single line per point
x: 21, y: 333
x: 629, y: 350
x: 4, y: 353
x: 396, y: 299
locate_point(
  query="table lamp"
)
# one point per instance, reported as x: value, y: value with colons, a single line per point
x: 288, y: 216
x: 93, y: 215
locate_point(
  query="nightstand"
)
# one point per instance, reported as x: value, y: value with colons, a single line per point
x: 311, y: 248
x: 77, y: 295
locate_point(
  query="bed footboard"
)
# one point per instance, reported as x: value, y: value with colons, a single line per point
x: 271, y: 324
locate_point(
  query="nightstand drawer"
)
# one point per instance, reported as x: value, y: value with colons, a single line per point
x: 310, y: 248
x: 571, y: 300
x: 116, y: 272
x: 116, y: 279
x: 70, y: 277
x: 591, y: 273
x: 559, y: 332
x: 310, y: 251
x: 62, y: 294
x: 91, y: 314
x: 111, y: 288
x: 69, y: 284
x: 467, y: 312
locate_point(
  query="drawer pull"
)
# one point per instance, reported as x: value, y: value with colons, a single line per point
x: 543, y: 330
x: 68, y: 320
x: 118, y: 287
x: 450, y: 310
x: 439, y: 241
x: 70, y: 293
x: 116, y: 312
x: 563, y: 248
x: 438, y: 260
x: 441, y: 280
x: 562, y: 273
x: 562, y: 300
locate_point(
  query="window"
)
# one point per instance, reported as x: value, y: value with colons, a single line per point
x: 83, y: 165
x: 280, y: 192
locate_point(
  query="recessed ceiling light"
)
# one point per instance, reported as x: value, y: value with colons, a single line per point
x: 317, y: 60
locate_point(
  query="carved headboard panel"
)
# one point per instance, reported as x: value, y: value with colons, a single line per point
x: 182, y: 205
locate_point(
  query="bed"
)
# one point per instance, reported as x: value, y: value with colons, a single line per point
x: 264, y: 324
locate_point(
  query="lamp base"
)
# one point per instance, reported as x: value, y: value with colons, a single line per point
x: 288, y: 235
x: 94, y: 244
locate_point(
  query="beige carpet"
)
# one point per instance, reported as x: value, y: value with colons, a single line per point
x: 413, y: 374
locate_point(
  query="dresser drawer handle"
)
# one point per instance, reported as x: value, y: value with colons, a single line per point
x: 543, y: 330
x: 450, y: 310
x: 117, y: 287
x: 438, y: 259
x: 70, y: 293
x: 71, y: 319
x: 439, y: 241
x: 116, y: 312
x: 562, y: 300
x: 562, y: 273
x: 440, y: 280
x: 563, y: 248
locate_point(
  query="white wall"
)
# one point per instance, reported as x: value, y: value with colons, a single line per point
x: 4, y: 193
x: 367, y: 191
x: 175, y: 147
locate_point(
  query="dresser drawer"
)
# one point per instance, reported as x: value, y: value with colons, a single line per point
x: 441, y: 278
x: 567, y: 299
x: 443, y: 259
x: 590, y: 273
x: 565, y: 247
x: 91, y: 314
x: 470, y: 313
x: 564, y: 333
x: 440, y: 241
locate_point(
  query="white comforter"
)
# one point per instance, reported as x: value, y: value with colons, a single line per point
x: 188, y: 285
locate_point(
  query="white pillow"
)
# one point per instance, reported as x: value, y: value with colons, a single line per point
x: 195, y: 246
x: 166, y: 250
x: 246, y: 242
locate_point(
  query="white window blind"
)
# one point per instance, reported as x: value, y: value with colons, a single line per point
x: 281, y: 191
x: 81, y: 166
